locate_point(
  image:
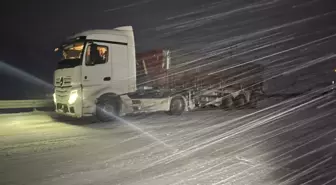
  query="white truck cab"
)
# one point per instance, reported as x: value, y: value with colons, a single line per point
x: 85, y: 74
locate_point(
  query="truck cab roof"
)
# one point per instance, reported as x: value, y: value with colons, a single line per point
x: 122, y: 34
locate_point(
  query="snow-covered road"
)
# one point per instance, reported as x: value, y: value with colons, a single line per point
x: 291, y: 142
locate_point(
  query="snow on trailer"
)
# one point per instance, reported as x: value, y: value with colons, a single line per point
x: 223, y: 86
x: 152, y: 68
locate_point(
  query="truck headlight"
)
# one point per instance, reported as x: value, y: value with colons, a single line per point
x: 54, y: 96
x: 73, y: 97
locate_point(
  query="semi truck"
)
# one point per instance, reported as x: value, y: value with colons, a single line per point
x: 100, y: 74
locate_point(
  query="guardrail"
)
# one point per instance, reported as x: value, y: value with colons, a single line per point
x: 18, y: 104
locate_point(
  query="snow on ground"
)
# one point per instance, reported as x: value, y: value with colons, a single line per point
x: 290, y: 142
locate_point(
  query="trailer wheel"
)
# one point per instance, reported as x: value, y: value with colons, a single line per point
x: 227, y: 102
x: 240, y: 101
x: 253, y: 101
x: 177, y: 106
x: 107, y: 109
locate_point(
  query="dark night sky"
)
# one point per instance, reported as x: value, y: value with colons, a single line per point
x: 31, y: 30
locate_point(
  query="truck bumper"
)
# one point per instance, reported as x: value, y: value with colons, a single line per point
x: 72, y: 109
x: 69, y: 110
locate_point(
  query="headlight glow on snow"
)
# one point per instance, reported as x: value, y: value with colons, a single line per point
x: 73, y: 97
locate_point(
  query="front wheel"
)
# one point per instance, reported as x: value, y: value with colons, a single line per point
x: 107, y: 109
x: 177, y: 106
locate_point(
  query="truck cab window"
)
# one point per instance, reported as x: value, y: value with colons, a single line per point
x: 99, y: 55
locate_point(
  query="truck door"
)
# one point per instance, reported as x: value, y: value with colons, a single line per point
x: 96, y: 71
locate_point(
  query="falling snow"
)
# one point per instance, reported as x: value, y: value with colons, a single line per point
x: 288, y: 140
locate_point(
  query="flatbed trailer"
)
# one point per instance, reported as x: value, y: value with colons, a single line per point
x: 222, y: 86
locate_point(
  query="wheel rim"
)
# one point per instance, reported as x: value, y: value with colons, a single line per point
x: 227, y: 102
x: 240, y: 102
x: 108, y: 109
x: 176, y: 105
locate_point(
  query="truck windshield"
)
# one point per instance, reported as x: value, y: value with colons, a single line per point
x: 71, y: 54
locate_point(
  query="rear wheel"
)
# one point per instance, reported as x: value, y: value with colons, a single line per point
x: 240, y: 101
x: 107, y: 109
x: 177, y: 106
x: 227, y: 102
x: 253, y: 100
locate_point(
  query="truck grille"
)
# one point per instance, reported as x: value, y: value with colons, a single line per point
x: 62, y: 93
x: 63, y: 81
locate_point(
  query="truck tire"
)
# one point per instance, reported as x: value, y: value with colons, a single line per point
x: 240, y: 101
x: 253, y: 103
x: 177, y: 106
x: 227, y: 102
x: 107, y: 109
